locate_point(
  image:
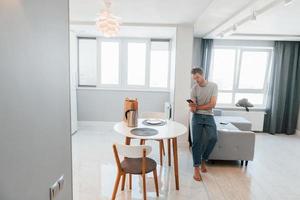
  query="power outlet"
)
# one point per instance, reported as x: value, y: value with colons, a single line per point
x: 61, y: 182
x: 57, y: 187
x: 54, y: 189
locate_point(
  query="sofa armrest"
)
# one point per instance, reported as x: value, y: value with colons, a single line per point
x: 234, y: 145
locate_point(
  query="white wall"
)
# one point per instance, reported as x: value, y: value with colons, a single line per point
x: 172, y: 74
x: 183, y: 64
x: 34, y: 110
x: 107, y: 105
x: 181, y: 80
x: 73, y: 80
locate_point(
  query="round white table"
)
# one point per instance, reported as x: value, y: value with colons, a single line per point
x: 170, y: 131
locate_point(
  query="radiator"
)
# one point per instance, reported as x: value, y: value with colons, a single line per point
x: 168, y: 110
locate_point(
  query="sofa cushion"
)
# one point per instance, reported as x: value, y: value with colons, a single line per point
x: 240, y: 122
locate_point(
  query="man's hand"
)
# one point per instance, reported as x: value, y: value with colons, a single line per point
x: 193, y: 107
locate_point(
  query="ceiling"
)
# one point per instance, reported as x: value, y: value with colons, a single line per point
x: 279, y: 22
x: 141, y: 11
x: 275, y: 21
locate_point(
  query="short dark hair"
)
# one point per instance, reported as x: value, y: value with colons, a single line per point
x: 197, y: 70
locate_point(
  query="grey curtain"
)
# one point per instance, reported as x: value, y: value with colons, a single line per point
x: 284, y: 92
x: 202, y: 54
x: 206, y: 53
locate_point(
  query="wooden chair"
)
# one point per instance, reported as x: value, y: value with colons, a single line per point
x: 158, y: 115
x: 135, y: 162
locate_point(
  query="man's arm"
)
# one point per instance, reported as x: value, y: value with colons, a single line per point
x: 209, y: 106
x: 193, y: 106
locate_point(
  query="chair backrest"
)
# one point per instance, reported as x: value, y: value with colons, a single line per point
x: 159, y: 115
x: 133, y: 151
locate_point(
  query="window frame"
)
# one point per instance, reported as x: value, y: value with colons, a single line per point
x: 123, y: 64
x: 237, y: 69
x: 169, y: 63
x: 78, y: 62
x: 99, y: 83
x: 147, y: 64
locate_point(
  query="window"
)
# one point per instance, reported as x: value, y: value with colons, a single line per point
x: 159, y: 64
x: 136, y: 72
x: 124, y: 63
x: 224, y: 64
x: 87, y: 61
x: 109, y: 63
x: 241, y: 73
x: 254, y: 65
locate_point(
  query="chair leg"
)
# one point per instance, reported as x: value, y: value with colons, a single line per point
x: 130, y: 181
x: 160, y: 153
x: 156, y: 182
x: 242, y: 162
x: 142, y: 142
x: 169, y: 151
x: 116, y: 186
x: 123, y: 182
x: 127, y: 140
x: 144, y: 186
x: 163, y: 147
x: 246, y: 163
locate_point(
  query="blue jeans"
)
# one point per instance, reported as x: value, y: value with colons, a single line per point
x: 204, y: 132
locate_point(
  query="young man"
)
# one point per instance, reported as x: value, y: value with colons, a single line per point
x: 204, y: 131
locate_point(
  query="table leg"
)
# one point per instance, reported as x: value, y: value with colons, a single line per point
x: 169, y: 152
x: 174, y: 140
x: 127, y: 140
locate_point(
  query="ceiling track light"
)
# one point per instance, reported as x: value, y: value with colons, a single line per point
x: 251, y: 17
x: 288, y: 2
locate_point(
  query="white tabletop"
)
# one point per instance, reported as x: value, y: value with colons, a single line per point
x: 171, y: 129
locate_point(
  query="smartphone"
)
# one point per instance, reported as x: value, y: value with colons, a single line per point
x: 189, y: 101
x: 224, y: 123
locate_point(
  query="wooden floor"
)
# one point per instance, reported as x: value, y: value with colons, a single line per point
x: 274, y: 173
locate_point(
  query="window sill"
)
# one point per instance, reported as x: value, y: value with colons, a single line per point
x: 124, y: 89
x: 231, y: 108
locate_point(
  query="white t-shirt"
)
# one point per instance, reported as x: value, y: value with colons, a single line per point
x: 203, y: 95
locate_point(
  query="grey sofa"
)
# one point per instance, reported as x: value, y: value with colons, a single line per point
x: 236, y: 141
x: 233, y: 144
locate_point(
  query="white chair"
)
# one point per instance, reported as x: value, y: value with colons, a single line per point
x: 158, y: 115
x: 135, y: 162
